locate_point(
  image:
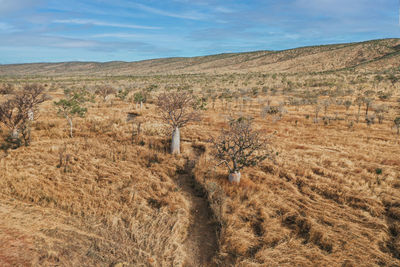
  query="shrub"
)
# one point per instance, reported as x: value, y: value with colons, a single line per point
x: 239, y: 146
x: 18, y: 112
x: 176, y: 110
x: 73, y: 105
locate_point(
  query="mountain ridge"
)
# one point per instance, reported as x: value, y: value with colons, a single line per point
x: 372, y: 55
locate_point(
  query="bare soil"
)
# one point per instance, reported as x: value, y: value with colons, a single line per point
x: 201, y: 243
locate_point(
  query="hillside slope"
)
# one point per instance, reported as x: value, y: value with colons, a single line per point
x: 364, y: 56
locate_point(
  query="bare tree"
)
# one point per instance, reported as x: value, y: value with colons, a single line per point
x: 347, y: 103
x: 29, y: 98
x: 326, y: 103
x: 277, y: 111
x: 368, y: 103
x: 317, y: 109
x: 380, y: 112
x: 359, y: 101
x: 18, y: 112
x: 397, y: 124
x: 11, y: 117
x: 176, y: 110
x: 132, y: 117
x: 104, y: 91
x: 239, y: 146
x: 6, y: 89
x: 370, y: 119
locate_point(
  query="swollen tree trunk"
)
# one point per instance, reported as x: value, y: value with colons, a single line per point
x: 15, y: 134
x: 31, y: 115
x: 15, y: 140
x: 235, y: 177
x: 175, y: 142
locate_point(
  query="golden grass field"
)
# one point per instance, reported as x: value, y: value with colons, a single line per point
x: 330, y: 197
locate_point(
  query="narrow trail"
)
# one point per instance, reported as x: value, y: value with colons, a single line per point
x: 201, y: 243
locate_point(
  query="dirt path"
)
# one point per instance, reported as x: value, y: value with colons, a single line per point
x: 201, y: 243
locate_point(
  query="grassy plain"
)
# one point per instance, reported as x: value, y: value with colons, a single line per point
x: 329, y: 198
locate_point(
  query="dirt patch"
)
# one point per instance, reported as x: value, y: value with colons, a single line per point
x: 201, y: 243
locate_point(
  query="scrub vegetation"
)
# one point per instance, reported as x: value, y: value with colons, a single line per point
x: 317, y: 152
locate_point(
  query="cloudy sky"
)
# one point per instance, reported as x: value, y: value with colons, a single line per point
x: 106, y: 30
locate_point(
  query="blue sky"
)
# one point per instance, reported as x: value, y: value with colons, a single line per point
x: 89, y: 30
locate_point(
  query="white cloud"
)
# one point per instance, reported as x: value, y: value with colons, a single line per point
x: 118, y: 35
x: 123, y: 35
x: 103, y: 23
x: 222, y: 9
x: 193, y: 15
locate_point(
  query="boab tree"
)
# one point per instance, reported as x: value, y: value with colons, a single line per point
x: 12, y: 117
x: 380, y: 112
x: 359, y: 101
x: 397, y: 124
x: 139, y: 98
x: 72, y: 105
x: 104, y: 91
x: 29, y: 98
x: 177, y: 109
x: 18, y: 112
x: 239, y: 146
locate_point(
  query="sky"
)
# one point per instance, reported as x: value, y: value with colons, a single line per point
x: 108, y: 30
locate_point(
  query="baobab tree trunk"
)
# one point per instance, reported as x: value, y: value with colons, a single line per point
x: 141, y: 105
x: 15, y: 134
x: 31, y: 115
x: 15, y: 138
x: 175, y: 142
x: 235, y: 177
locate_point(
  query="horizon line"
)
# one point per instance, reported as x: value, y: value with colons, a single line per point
x: 207, y: 55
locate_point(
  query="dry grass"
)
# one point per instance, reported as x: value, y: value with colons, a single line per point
x: 322, y: 202
x: 122, y: 201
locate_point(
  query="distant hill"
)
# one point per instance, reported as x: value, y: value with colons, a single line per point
x: 363, y: 56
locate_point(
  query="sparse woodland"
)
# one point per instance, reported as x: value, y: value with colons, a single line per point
x: 325, y: 191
